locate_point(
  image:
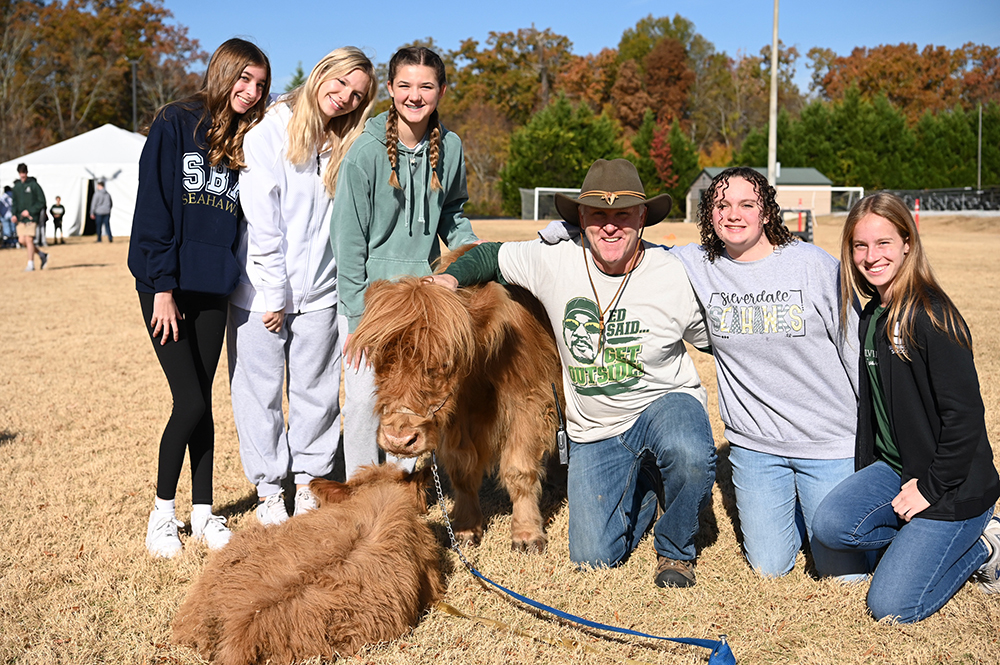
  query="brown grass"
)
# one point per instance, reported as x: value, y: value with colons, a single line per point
x: 82, y: 405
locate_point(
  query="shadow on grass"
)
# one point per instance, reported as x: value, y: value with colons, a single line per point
x: 6, y: 436
x: 77, y: 265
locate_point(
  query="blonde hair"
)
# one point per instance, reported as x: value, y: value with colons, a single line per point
x: 414, y: 55
x: 309, y: 132
x: 226, y: 128
x: 913, y: 285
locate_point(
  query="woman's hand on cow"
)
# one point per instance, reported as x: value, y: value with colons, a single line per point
x: 166, y: 317
x: 444, y: 280
x: 274, y: 320
x: 909, y: 502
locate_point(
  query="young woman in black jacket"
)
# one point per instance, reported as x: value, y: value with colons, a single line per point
x: 925, y: 487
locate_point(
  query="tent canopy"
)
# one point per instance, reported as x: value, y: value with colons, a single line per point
x: 66, y: 169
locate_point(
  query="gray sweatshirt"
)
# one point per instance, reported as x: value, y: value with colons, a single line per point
x: 787, y: 373
x: 101, y: 203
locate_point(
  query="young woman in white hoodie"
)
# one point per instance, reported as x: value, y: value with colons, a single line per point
x: 283, y: 314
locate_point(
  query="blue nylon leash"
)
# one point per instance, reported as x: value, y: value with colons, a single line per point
x: 721, y: 654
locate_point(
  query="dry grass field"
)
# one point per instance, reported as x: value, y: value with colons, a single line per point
x: 82, y: 405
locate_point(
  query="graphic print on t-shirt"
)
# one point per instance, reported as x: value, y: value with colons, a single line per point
x: 765, y: 313
x: 609, y: 368
x: 207, y: 185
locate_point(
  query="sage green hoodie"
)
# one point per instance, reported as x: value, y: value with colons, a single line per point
x: 380, y: 232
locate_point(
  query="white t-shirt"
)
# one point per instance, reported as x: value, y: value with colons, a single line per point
x: 642, y: 357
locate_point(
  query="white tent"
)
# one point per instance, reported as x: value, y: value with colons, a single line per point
x: 66, y: 170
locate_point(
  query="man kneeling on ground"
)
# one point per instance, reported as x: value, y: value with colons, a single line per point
x: 636, y: 410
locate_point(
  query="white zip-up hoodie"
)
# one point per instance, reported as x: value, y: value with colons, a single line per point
x: 284, y: 251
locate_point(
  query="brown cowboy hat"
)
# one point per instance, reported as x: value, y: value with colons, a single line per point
x: 613, y: 185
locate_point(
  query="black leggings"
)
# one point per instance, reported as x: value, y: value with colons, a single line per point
x: 189, y: 365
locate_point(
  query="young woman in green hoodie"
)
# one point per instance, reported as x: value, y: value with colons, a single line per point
x: 401, y: 187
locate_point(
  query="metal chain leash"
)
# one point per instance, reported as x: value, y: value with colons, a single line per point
x: 444, y: 512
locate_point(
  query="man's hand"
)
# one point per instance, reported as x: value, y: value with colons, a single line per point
x: 446, y: 281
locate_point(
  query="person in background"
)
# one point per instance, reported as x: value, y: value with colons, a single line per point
x: 28, y: 203
x: 183, y: 256
x: 926, y: 486
x: 6, y: 217
x: 57, y: 211
x: 100, y: 210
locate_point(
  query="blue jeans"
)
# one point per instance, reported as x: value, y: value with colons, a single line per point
x: 613, y: 484
x: 776, y: 498
x: 925, y: 561
x: 103, y: 222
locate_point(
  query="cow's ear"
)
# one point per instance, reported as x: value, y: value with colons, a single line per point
x: 329, y: 491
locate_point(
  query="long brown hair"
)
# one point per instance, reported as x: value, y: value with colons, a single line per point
x: 226, y: 128
x: 914, y: 284
x: 309, y: 132
x: 414, y: 55
x: 774, y: 227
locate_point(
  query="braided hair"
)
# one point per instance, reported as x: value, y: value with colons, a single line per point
x: 414, y: 55
x: 774, y: 227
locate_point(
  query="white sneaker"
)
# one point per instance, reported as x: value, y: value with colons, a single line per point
x: 271, y: 511
x: 305, y: 500
x: 161, y: 534
x: 213, y: 531
x: 988, y: 575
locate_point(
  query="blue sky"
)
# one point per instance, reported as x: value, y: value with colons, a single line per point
x: 293, y: 31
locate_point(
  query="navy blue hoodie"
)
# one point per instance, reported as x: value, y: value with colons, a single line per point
x: 187, y: 212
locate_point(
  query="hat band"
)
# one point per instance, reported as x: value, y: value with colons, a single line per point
x: 610, y: 197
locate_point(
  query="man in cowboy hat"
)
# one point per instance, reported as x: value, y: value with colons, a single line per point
x: 636, y: 410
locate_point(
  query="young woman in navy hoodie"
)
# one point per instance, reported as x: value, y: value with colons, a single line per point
x: 183, y: 256
x: 925, y: 488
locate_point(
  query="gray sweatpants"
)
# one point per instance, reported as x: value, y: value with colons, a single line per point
x: 360, y: 419
x: 306, y: 350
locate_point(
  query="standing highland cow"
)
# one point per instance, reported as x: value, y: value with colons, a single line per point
x: 358, y: 570
x: 468, y: 374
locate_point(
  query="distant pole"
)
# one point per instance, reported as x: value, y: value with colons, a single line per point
x: 135, y: 120
x: 772, y: 129
x: 979, y: 158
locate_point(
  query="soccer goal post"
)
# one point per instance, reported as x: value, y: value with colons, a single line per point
x: 540, y: 202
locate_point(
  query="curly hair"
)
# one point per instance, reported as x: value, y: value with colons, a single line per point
x: 914, y: 285
x: 226, y: 128
x: 774, y: 227
x: 415, y: 55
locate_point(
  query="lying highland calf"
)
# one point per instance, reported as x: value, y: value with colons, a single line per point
x: 468, y: 374
x: 360, y: 569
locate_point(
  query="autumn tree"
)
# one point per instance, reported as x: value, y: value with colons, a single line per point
x: 589, y: 78
x: 514, y: 73
x: 668, y: 79
x: 630, y: 101
x: 65, y: 67
x: 913, y: 81
x: 637, y: 43
x: 485, y: 140
x: 555, y: 149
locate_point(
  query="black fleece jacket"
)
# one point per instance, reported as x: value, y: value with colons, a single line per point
x: 937, y: 419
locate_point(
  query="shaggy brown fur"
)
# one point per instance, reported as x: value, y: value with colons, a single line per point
x: 360, y: 569
x: 468, y: 374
